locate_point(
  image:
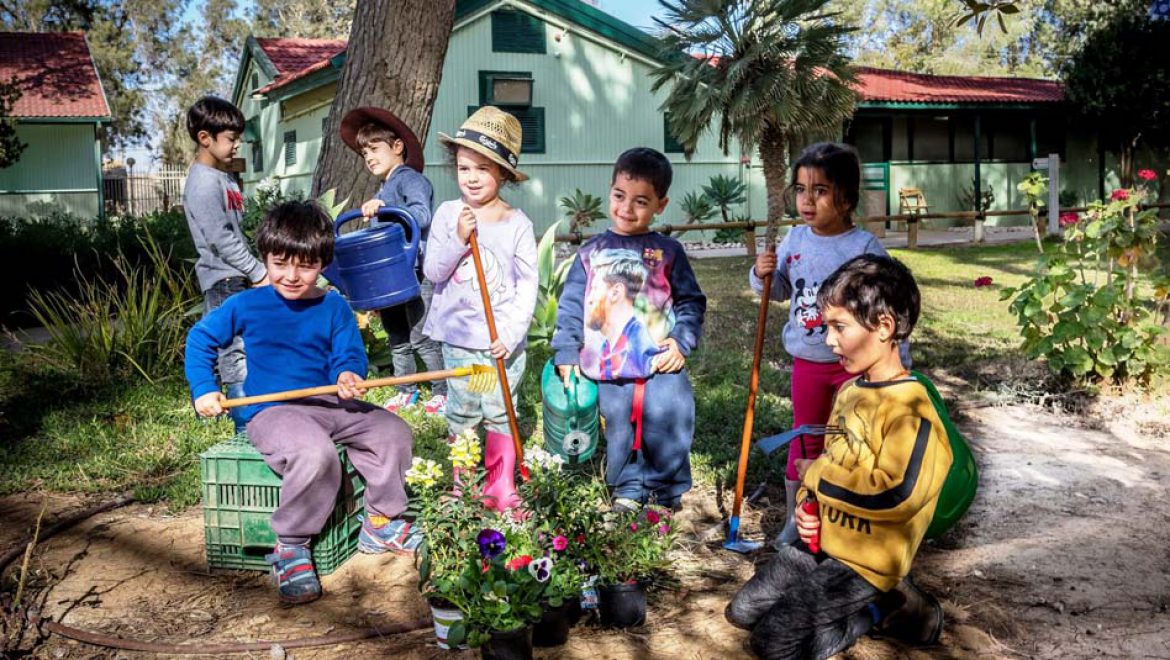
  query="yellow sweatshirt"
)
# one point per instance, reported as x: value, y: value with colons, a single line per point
x: 879, y: 477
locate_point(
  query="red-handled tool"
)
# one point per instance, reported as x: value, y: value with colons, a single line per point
x: 811, y: 506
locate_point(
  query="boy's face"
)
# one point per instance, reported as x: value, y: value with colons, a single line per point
x: 222, y: 147
x: 857, y: 347
x: 291, y: 278
x: 479, y: 177
x: 382, y: 157
x: 633, y: 203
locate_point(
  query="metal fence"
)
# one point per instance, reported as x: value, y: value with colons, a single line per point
x: 140, y: 194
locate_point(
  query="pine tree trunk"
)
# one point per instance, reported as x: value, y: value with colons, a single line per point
x: 774, y: 155
x: 394, y: 61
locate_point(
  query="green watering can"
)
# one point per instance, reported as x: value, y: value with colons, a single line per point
x: 571, y: 420
x: 962, y: 480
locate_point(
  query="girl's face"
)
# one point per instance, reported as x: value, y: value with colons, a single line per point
x: 479, y: 177
x: 816, y: 202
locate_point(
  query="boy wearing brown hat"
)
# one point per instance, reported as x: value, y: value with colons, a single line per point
x: 393, y: 153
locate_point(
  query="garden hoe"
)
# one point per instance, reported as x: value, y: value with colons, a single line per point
x: 733, y: 542
x: 501, y: 368
x: 481, y: 379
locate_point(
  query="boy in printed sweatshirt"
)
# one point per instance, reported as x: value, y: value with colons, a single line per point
x: 885, y: 460
x: 630, y: 314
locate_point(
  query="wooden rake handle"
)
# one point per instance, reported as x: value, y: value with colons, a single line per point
x: 501, y: 368
x: 753, y: 388
x: 289, y: 395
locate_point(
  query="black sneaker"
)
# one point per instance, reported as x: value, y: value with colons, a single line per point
x: 919, y: 619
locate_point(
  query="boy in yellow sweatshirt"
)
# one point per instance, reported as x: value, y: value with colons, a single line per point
x: 876, y: 486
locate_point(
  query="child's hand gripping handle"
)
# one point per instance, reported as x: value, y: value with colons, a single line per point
x: 813, y: 508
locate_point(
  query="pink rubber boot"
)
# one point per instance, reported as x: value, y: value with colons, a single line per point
x: 499, y: 458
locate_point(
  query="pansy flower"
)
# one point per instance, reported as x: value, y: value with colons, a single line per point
x: 491, y: 543
x: 541, y: 569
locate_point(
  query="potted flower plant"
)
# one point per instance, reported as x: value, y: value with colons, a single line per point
x: 629, y: 549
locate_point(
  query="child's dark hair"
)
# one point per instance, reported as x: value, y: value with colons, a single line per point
x: 870, y: 286
x: 646, y: 164
x: 375, y: 132
x: 841, y: 166
x: 300, y: 230
x: 214, y: 115
x: 452, y: 158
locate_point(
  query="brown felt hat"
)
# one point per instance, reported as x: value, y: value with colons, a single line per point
x: 358, y: 117
x: 493, y: 133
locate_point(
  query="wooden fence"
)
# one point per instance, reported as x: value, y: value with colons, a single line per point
x: 912, y: 221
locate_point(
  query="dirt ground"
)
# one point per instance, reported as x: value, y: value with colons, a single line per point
x: 1065, y: 554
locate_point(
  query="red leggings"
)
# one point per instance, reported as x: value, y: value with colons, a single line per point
x: 813, y: 386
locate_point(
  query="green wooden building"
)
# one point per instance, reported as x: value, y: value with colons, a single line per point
x: 59, y: 117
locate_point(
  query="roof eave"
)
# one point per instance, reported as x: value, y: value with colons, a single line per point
x: 955, y: 105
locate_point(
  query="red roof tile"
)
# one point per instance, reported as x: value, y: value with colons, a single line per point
x: 297, y: 58
x: 55, y: 74
x: 878, y: 85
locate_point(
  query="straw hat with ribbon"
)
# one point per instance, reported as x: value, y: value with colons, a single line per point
x: 358, y: 117
x: 494, y: 133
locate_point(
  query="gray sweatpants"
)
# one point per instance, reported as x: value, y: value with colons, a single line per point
x: 297, y: 441
x: 801, y: 606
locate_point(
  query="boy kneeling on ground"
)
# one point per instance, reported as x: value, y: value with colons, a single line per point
x: 298, y: 336
x: 877, y: 484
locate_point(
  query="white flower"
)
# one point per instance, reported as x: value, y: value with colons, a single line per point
x: 423, y: 472
x: 537, y: 457
x: 541, y: 569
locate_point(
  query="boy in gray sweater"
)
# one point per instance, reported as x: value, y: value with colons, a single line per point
x: 214, y: 207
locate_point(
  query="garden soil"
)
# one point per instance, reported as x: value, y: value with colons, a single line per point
x: 1064, y: 554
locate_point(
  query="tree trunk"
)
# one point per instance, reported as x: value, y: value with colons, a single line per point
x: 394, y: 61
x: 774, y: 155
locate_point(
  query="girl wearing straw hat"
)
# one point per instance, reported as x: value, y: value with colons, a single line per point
x: 486, y: 151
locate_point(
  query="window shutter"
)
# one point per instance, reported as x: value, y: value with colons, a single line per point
x: 257, y: 157
x: 517, y: 32
x: 290, y: 148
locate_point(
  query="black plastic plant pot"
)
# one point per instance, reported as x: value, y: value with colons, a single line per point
x: 553, y: 627
x: 508, y: 645
x: 622, y: 605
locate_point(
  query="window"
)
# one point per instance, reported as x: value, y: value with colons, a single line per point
x: 255, y: 81
x: 517, y: 32
x: 670, y: 144
x: 257, y: 157
x: 1011, y: 139
x: 900, y: 139
x: 531, y: 124
x: 290, y: 148
x: 867, y: 134
x: 932, y: 139
x: 965, y: 139
x: 505, y: 88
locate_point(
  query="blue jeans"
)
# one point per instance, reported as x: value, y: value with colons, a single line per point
x: 232, y: 365
x: 404, y: 324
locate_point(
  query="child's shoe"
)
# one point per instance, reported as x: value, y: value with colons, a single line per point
x: 397, y: 536
x: 625, y: 505
x: 401, y: 400
x: 436, y: 405
x: 292, y: 569
x: 919, y: 619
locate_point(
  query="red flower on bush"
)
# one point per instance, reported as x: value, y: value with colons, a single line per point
x: 1070, y: 218
x: 1147, y: 175
x: 652, y: 516
x: 519, y: 563
x: 633, y: 527
x: 580, y: 539
x: 983, y: 281
x: 1119, y: 195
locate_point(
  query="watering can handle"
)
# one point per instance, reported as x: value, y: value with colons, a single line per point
x: 400, y: 216
x: 572, y: 392
x: 345, y: 217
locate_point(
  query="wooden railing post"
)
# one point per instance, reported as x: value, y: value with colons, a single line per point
x: 912, y: 233
x: 979, y: 229
x: 749, y: 239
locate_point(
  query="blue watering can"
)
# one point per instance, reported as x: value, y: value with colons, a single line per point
x: 374, y: 267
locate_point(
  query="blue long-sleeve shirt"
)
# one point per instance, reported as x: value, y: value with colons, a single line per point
x: 624, y: 295
x: 290, y: 343
x: 408, y: 189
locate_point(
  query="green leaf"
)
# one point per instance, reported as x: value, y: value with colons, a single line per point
x: 457, y: 633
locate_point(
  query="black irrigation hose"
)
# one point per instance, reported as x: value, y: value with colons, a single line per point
x: 109, y: 641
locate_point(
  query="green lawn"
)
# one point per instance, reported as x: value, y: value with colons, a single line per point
x: 58, y: 435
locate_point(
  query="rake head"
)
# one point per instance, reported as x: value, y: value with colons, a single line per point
x: 482, y: 379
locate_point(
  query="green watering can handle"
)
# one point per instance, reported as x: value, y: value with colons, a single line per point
x: 572, y: 392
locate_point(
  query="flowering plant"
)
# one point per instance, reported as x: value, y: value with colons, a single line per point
x: 632, y: 547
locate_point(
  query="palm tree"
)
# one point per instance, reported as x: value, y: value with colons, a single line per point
x: 769, y: 71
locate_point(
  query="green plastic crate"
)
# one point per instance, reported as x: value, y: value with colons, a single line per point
x: 240, y: 492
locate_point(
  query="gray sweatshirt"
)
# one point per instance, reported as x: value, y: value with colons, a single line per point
x: 804, y: 260
x: 214, y: 206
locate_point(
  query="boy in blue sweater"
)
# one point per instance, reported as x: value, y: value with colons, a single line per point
x: 300, y: 336
x: 630, y: 314
x: 393, y: 154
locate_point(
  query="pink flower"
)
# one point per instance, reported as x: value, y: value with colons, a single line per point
x: 983, y: 281
x: 663, y: 529
x: 1070, y: 218
x: 519, y: 563
x: 560, y: 543
x: 1147, y: 175
x: 1119, y: 195
x: 652, y: 516
x: 633, y: 527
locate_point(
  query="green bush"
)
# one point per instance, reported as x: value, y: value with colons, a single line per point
x: 1093, y: 307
